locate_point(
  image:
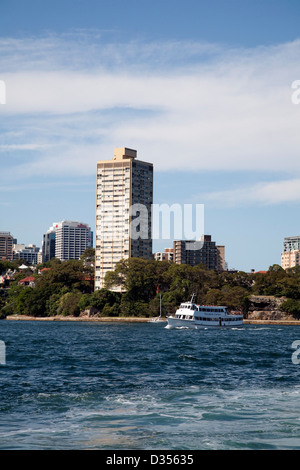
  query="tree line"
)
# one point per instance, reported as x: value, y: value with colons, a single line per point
x: 135, y: 286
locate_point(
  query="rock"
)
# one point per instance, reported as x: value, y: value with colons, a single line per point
x: 267, y: 307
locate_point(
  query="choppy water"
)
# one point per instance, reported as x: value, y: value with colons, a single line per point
x: 73, y: 385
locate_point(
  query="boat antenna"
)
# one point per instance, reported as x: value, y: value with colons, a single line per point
x: 192, y: 299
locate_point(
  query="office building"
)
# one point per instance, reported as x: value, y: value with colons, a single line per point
x: 204, y: 251
x: 6, y: 246
x: 66, y: 240
x: 48, y: 247
x: 28, y: 253
x: 124, y: 200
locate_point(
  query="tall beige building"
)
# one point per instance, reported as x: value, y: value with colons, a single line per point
x: 290, y: 256
x: 124, y: 199
x: 289, y: 259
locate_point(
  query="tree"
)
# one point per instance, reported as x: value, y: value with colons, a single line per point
x: 291, y: 306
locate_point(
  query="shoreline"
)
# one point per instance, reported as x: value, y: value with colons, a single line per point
x: 271, y: 322
x: 133, y: 320
x: 82, y: 319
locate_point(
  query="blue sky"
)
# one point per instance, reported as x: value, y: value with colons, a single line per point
x: 203, y: 89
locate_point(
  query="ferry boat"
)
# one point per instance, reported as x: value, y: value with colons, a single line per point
x: 191, y: 315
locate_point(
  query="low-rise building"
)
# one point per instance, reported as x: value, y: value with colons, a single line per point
x: 166, y: 255
x: 27, y: 281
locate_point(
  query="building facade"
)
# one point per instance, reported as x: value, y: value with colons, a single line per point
x: 290, y: 256
x: 166, y: 255
x: 204, y: 251
x: 6, y: 246
x: 289, y: 259
x: 291, y: 243
x: 66, y: 240
x: 48, y: 247
x: 29, y: 253
x: 124, y: 198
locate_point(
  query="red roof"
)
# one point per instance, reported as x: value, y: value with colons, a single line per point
x: 27, y: 279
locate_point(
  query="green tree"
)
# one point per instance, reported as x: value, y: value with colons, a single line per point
x: 69, y: 304
x: 292, y: 307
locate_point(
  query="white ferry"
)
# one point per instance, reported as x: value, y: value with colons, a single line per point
x: 191, y: 315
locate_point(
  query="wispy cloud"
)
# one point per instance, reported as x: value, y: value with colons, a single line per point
x: 266, y: 193
x: 181, y: 105
x: 12, y: 147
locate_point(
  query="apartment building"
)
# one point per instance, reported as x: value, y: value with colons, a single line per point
x: 6, y: 246
x: 166, y: 255
x: 124, y: 198
x: 66, y: 240
x: 290, y: 256
x: 289, y: 259
x: 204, y: 251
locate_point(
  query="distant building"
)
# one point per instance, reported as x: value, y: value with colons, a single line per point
x: 27, y: 281
x: 124, y: 194
x: 291, y: 243
x: 166, y: 255
x: 203, y: 251
x: 48, y: 248
x: 66, y: 240
x: 28, y: 253
x: 290, y: 256
x: 221, y: 262
x: 6, y: 246
x: 289, y: 259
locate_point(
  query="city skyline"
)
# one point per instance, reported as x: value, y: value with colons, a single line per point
x: 204, y: 91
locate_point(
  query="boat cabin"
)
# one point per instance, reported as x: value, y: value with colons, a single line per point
x: 188, y: 311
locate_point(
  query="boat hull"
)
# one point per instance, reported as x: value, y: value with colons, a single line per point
x: 196, y: 324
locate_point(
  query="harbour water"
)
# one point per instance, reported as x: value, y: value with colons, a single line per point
x: 75, y: 385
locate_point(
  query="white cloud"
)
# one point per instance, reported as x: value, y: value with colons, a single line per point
x: 267, y: 193
x: 181, y: 105
x: 12, y: 147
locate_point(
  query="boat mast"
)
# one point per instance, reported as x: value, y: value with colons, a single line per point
x: 159, y: 305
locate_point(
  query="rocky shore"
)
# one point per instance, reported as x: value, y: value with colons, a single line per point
x: 263, y: 310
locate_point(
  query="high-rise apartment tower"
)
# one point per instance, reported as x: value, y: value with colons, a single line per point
x: 290, y: 256
x: 123, y: 211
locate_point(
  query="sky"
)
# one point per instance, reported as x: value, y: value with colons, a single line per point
x: 204, y: 90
